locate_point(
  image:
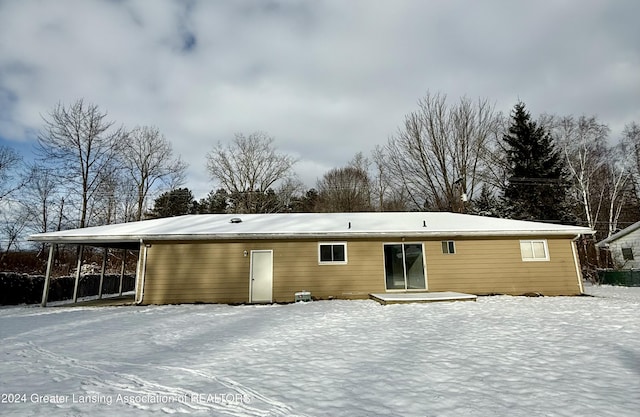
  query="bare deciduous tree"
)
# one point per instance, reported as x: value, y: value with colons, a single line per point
x: 630, y: 144
x: 40, y: 196
x: 385, y: 197
x: 148, y: 160
x: 346, y: 189
x: 288, y: 192
x: 82, y: 144
x: 583, y: 142
x: 14, y: 215
x: 104, y: 210
x: 128, y: 206
x: 623, y: 181
x: 615, y: 187
x: 495, y: 167
x: 248, y: 168
x: 14, y: 218
x: 10, y: 180
x: 437, y: 156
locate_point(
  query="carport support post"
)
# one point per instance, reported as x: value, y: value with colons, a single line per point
x: 47, y: 277
x: 124, y: 260
x: 75, y: 286
x: 104, y: 266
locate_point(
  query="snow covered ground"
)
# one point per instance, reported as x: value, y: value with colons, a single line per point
x: 499, y: 356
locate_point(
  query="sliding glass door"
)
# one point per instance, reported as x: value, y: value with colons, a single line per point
x: 404, y: 266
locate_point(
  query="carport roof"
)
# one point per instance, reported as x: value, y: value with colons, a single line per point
x: 307, y: 225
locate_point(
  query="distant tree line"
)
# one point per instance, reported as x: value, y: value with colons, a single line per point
x: 87, y: 172
x: 461, y: 156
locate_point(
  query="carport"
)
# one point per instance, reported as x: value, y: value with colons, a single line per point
x: 121, y: 236
x: 122, y: 246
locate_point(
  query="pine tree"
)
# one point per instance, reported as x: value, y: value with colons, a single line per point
x: 215, y: 202
x: 486, y: 204
x: 537, y: 187
x: 173, y: 203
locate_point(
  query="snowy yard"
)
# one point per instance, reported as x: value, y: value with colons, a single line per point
x: 499, y: 356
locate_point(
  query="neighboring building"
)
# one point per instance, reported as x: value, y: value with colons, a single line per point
x: 624, y: 247
x: 255, y: 258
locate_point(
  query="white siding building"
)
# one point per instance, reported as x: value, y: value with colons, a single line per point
x: 624, y: 247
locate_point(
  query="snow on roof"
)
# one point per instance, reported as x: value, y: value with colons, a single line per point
x: 308, y: 225
x: 619, y: 234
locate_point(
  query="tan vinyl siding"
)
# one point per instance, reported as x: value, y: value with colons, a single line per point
x: 182, y: 273
x: 362, y: 274
x: 496, y: 267
x: 218, y: 272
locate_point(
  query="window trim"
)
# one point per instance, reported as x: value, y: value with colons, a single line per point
x: 321, y: 262
x: 531, y: 242
x: 448, y: 244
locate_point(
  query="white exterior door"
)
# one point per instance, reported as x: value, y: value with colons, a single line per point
x: 261, y: 277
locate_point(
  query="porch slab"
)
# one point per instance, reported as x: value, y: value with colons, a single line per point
x: 421, y: 297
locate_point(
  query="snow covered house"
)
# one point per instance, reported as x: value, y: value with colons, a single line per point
x: 624, y: 247
x: 256, y: 258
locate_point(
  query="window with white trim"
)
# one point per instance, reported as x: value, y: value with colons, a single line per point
x: 332, y: 253
x: 534, y: 250
x: 448, y: 246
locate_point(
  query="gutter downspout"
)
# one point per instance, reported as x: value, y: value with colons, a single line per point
x: 142, y: 271
x: 577, y: 263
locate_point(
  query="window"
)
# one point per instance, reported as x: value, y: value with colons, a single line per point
x: 627, y: 254
x: 448, y: 246
x: 332, y: 253
x: 534, y: 250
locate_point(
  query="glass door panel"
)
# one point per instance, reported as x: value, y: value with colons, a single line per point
x: 404, y: 266
x: 394, y: 267
x: 414, y: 266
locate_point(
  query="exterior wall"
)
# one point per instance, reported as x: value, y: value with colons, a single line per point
x: 631, y: 240
x: 496, y: 267
x: 218, y: 272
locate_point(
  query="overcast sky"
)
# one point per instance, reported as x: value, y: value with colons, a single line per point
x: 325, y: 78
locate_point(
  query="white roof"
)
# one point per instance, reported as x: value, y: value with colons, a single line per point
x: 619, y: 234
x: 308, y: 225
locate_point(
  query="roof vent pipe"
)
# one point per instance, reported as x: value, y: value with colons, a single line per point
x: 349, y: 225
x: 236, y: 220
x: 424, y: 223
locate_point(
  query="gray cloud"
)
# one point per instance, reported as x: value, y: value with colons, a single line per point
x: 325, y: 78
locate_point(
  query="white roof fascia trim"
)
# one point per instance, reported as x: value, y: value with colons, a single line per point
x: 310, y: 235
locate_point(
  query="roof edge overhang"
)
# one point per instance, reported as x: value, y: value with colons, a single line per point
x: 620, y: 234
x: 136, y: 239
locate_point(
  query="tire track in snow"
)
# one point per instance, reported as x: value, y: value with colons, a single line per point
x: 278, y: 408
x: 93, y: 380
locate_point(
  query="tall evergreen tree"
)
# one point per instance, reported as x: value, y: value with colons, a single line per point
x: 486, y: 204
x: 537, y: 187
x: 215, y: 202
x: 173, y: 203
